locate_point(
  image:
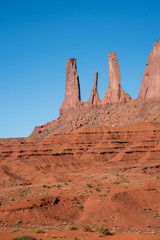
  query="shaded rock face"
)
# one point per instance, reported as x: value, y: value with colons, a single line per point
x: 114, y: 93
x: 72, y: 88
x: 150, y: 87
x: 94, y: 97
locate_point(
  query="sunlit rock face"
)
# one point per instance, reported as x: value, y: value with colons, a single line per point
x: 94, y: 97
x: 114, y: 93
x: 150, y: 87
x: 72, y: 88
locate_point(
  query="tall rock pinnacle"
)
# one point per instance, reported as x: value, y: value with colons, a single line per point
x: 114, y: 93
x: 150, y: 87
x: 72, y: 88
x: 94, y: 97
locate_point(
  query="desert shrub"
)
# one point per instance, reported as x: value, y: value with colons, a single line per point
x: 89, y: 185
x: 58, y: 186
x: 87, y: 228
x: 24, y: 237
x: 38, y: 230
x: 97, y: 189
x: 46, y: 186
x: 104, y: 230
x: 15, y: 230
x: 72, y: 227
x: 80, y: 206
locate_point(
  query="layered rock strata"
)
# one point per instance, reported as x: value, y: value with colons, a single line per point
x: 150, y: 87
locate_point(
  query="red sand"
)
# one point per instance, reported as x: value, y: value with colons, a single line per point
x: 98, y: 177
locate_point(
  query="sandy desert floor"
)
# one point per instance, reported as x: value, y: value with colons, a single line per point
x: 91, y: 177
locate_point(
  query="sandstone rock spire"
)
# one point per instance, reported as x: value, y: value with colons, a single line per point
x: 94, y: 97
x: 114, y: 93
x: 72, y: 88
x: 150, y: 86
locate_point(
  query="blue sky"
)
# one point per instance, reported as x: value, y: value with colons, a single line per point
x: 38, y: 36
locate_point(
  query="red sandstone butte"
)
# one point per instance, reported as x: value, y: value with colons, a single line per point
x: 72, y: 88
x: 150, y: 87
x: 114, y: 93
x: 94, y: 97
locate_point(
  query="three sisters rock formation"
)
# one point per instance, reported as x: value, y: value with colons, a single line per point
x: 150, y: 87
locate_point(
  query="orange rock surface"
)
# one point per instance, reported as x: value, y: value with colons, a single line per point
x: 103, y: 176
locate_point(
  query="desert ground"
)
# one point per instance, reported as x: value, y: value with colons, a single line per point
x: 70, y: 185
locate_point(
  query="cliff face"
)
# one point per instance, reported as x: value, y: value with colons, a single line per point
x: 72, y: 88
x: 114, y: 93
x: 150, y: 87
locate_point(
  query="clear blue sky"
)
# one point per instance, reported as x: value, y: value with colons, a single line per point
x: 38, y: 36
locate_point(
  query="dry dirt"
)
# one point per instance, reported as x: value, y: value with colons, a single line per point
x: 100, y: 176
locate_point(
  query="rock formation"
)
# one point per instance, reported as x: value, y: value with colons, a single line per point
x: 72, y: 88
x: 114, y: 93
x: 150, y: 87
x: 94, y: 97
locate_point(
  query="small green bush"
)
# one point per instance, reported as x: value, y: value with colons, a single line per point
x: 24, y: 237
x: 87, y: 228
x: 80, y: 206
x: 15, y: 230
x: 46, y: 186
x: 97, y: 189
x: 72, y: 227
x: 89, y: 185
x: 38, y: 230
x: 104, y: 230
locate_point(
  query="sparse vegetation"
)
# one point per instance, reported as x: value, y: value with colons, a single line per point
x: 104, y: 230
x: 46, y: 186
x: 87, y: 228
x: 58, y: 186
x: 89, y: 185
x: 97, y: 189
x: 72, y: 227
x: 10, y: 179
x: 24, y: 237
x: 15, y: 230
x: 38, y: 230
x: 80, y: 206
